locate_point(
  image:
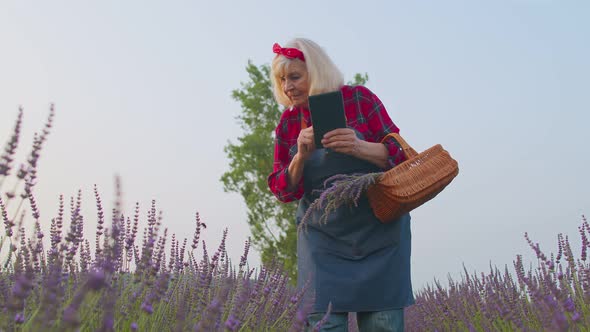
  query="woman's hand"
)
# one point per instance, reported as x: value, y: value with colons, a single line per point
x: 343, y: 140
x: 305, y: 143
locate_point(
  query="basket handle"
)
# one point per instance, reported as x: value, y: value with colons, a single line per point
x: 408, y: 150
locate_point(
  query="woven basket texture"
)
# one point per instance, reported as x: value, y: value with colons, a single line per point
x: 412, y: 183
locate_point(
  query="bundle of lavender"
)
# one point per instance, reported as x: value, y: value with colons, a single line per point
x: 339, y: 190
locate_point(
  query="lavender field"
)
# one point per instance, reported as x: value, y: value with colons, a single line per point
x: 129, y: 274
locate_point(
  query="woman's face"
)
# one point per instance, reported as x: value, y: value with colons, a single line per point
x: 295, y: 83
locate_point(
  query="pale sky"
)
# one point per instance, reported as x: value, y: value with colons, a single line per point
x: 143, y: 89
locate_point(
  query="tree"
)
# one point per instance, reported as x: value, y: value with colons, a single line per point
x: 271, y: 222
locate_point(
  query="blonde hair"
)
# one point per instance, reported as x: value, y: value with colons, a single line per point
x: 323, y: 75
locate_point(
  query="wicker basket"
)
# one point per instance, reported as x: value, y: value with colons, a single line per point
x: 412, y: 183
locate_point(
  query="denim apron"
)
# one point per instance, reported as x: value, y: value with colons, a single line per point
x: 353, y: 261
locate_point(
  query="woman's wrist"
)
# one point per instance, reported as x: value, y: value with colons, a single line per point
x: 375, y: 153
x: 295, y: 170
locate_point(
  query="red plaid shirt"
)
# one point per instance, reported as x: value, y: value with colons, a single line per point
x: 364, y: 112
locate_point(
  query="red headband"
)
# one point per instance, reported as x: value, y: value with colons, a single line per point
x: 291, y: 53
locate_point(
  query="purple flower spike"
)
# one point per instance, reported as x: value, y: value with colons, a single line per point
x: 561, y: 321
x: 324, y: 319
x: 147, y: 308
x: 232, y: 323
x: 96, y: 279
x: 569, y: 305
x: 19, y: 318
x: 576, y: 317
x: 109, y: 323
x: 134, y: 326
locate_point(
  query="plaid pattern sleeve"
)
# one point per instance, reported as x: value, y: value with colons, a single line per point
x: 373, y: 117
x: 286, y: 135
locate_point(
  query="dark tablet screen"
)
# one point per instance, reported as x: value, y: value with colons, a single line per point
x: 327, y: 114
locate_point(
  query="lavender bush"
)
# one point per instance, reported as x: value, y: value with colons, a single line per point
x: 555, y: 296
x: 129, y: 279
x: 125, y: 280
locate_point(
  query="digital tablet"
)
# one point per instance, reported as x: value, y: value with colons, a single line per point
x: 327, y: 114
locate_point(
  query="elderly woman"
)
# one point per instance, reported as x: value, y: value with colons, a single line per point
x: 353, y: 261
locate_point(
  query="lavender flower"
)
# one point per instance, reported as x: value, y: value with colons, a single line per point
x: 232, y: 324
x: 339, y: 190
x: 324, y: 319
x: 10, y: 149
x: 197, y: 232
x: 19, y: 318
x: 7, y: 222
